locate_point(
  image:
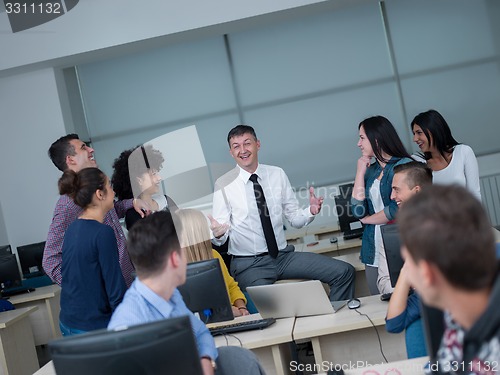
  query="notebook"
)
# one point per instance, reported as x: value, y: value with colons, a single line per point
x: 294, y: 299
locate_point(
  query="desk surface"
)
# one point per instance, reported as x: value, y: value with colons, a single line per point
x: 407, y: 367
x: 38, y: 294
x: 325, y: 246
x: 7, y: 318
x: 312, y: 229
x: 278, y: 333
x: 343, y: 320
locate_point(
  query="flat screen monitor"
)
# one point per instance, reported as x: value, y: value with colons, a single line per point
x: 433, y: 324
x: 163, y: 347
x: 205, y: 292
x: 5, y: 250
x: 392, y: 248
x: 349, y: 225
x: 30, y: 258
x: 9, y: 272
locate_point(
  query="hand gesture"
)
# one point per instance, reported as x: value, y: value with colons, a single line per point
x: 217, y: 228
x: 363, y: 164
x: 141, y: 207
x: 315, y: 203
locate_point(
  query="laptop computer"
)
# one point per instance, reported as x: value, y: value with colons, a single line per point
x: 392, y: 247
x: 294, y: 299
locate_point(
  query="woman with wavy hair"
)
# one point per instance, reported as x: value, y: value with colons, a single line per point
x: 136, y: 174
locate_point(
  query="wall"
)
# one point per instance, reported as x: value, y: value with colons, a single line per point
x: 93, y: 26
x: 31, y: 121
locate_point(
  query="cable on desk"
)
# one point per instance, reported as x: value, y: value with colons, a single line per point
x: 376, y: 331
x: 236, y: 337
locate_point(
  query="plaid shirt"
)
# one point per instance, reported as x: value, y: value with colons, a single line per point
x: 65, y: 213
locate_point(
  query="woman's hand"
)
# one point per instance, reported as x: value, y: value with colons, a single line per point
x: 363, y: 164
x: 240, y: 310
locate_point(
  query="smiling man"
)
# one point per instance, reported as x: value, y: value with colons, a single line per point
x: 248, y: 208
x: 69, y: 152
x: 409, y: 179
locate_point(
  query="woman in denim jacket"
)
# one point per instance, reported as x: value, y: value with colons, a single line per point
x: 371, y: 196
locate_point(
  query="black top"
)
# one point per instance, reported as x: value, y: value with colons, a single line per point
x: 131, y: 216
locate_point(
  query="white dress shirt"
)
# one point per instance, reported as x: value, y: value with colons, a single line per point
x: 234, y: 203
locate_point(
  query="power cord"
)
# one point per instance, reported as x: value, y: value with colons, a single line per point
x: 229, y: 335
x: 376, y: 331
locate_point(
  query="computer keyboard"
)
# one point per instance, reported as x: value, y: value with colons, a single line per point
x: 242, y: 326
x: 15, y: 291
x: 353, y: 235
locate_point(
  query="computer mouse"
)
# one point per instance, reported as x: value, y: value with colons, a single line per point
x: 354, y: 303
x: 336, y: 372
x: 334, y: 240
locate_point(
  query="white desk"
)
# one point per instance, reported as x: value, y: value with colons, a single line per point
x: 346, y: 337
x: 17, y: 346
x: 48, y: 369
x: 413, y: 366
x: 347, y: 251
x: 319, y: 231
x: 44, y: 321
x: 325, y: 247
x: 270, y: 345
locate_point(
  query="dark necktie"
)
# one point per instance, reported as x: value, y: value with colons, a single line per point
x: 265, y: 219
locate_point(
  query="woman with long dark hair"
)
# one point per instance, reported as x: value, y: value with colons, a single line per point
x: 92, y: 282
x: 371, y: 196
x: 451, y: 162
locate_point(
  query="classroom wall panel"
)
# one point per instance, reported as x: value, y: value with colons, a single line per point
x: 314, y: 54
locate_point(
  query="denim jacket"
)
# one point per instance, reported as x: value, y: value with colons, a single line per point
x: 364, y: 208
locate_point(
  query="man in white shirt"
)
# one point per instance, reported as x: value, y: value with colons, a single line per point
x: 237, y: 216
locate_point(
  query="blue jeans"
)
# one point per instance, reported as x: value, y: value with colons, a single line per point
x: 67, y: 331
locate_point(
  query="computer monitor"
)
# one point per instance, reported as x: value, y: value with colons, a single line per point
x: 163, y: 347
x: 5, y: 250
x: 433, y: 324
x: 30, y: 258
x: 349, y: 225
x: 9, y: 273
x: 205, y: 292
x: 392, y: 248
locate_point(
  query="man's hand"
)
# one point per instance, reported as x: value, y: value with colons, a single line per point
x: 206, y: 366
x: 141, y: 207
x: 217, y: 228
x: 315, y: 203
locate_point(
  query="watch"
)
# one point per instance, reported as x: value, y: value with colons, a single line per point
x: 212, y: 362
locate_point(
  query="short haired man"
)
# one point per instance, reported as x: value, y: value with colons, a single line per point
x: 403, y: 312
x: 236, y: 215
x: 449, y: 251
x: 69, y: 152
x: 409, y: 179
x: 161, y: 267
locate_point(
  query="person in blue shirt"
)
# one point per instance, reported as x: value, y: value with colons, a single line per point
x: 371, y: 195
x: 403, y: 312
x: 160, y: 264
x: 92, y: 281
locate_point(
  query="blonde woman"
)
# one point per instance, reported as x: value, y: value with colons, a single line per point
x: 195, y: 239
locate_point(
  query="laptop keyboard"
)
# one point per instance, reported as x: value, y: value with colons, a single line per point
x: 15, y: 291
x: 242, y: 326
